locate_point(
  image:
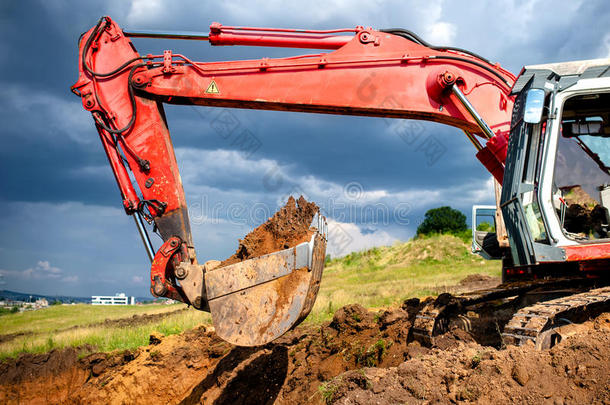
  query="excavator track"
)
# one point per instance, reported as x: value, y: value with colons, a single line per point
x: 434, y: 318
x: 536, y: 323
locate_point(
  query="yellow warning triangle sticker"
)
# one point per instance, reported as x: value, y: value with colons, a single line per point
x: 212, y: 88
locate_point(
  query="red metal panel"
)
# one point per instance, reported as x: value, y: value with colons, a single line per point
x: 147, y: 139
x: 587, y: 252
x: 388, y: 77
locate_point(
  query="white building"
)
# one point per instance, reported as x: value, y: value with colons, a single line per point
x: 118, y: 299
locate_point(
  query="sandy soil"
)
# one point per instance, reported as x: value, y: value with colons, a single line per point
x: 285, y: 229
x: 360, y: 357
x: 574, y: 372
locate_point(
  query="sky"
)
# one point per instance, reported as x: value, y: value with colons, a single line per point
x: 63, y: 229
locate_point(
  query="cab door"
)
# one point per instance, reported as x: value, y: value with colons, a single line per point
x: 527, y: 233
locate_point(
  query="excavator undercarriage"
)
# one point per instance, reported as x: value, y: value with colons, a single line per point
x: 515, y: 312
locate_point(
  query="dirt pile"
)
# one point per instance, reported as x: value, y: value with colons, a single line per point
x: 475, y: 282
x: 198, y: 367
x: 360, y: 357
x: 575, y: 371
x: 577, y: 195
x: 585, y: 221
x: 285, y: 229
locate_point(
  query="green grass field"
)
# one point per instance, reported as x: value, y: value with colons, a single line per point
x: 386, y: 276
x: 54, y: 327
x: 57, y: 317
x: 379, y: 277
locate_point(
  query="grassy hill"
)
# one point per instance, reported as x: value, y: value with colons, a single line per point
x: 384, y: 276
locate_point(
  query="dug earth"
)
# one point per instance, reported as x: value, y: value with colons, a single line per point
x: 287, y: 228
x: 360, y: 357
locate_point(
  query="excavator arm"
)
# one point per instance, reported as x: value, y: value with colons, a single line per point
x: 367, y: 72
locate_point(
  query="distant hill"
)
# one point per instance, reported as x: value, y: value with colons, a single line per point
x: 18, y: 296
x: 387, y: 275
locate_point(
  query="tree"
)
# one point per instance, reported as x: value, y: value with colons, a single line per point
x: 442, y: 220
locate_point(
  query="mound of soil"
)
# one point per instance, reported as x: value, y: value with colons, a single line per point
x: 285, y: 229
x: 583, y: 216
x: 477, y: 282
x: 575, y: 371
x: 359, y: 357
x: 577, y: 195
x: 198, y: 367
x: 476, y: 278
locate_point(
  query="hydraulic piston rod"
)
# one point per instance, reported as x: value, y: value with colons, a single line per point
x: 150, y: 251
x: 475, y: 115
x: 198, y: 36
x: 226, y: 35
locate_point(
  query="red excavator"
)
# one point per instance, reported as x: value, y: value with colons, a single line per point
x: 543, y: 135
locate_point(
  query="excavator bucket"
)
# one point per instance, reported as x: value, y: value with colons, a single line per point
x: 256, y: 301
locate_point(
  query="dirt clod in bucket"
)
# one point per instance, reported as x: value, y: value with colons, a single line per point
x: 287, y: 228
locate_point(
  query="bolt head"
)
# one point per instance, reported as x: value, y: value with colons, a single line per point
x: 181, y: 272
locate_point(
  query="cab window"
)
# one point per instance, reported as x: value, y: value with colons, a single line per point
x: 581, y: 183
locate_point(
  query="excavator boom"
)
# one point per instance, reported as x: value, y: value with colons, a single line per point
x: 367, y: 72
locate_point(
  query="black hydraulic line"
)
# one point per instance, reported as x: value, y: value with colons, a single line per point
x: 410, y: 35
x: 102, y: 122
x: 132, y: 98
x: 88, y: 45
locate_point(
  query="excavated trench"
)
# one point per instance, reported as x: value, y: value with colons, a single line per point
x: 359, y: 357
